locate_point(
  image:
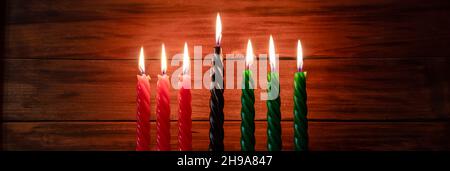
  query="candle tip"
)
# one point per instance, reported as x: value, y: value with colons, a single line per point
x: 141, y: 61
x: 218, y: 29
x: 249, y: 55
x: 299, y: 56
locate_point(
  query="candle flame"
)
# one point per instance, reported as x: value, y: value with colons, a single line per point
x: 249, y: 56
x: 185, y: 58
x: 141, y: 61
x: 272, y: 53
x: 218, y: 29
x: 299, y: 56
x: 163, y: 59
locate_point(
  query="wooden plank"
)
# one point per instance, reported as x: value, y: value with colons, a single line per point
x: 347, y: 89
x: 324, y: 136
x: 87, y: 29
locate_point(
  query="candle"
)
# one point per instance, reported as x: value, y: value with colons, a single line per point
x: 216, y: 102
x: 184, y: 104
x: 300, y: 107
x: 163, y: 106
x: 143, y: 107
x: 273, y: 104
x: 248, y: 104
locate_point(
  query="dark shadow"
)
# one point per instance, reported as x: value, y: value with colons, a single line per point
x: 2, y: 63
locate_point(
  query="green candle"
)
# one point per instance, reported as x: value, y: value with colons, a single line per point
x: 300, y: 107
x: 248, y: 105
x: 274, y: 142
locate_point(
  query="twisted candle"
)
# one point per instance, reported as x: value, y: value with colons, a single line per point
x: 300, y: 106
x: 300, y: 112
x: 248, y: 113
x: 184, y: 115
x: 216, y: 104
x: 143, y: 113
x: 273, y: 113
x: 163, y: 114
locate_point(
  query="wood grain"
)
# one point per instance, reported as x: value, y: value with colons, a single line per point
x: 324, y: 136
x: 346, y: 89
x: 377, y: 69
x: 115, y: 29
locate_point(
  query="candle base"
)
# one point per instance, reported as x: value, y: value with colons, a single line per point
x: 300, y: 113
x: 274, y: 142
x: 184, y: 115
x: 143, y: 113
x: 216, y: 104
x: 248, y: 113
x: 163, y: 114
x: 216, y: 120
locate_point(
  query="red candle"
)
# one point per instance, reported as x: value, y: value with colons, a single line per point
x: 163, y: 107
x: 143, y: 107
x: 185, y: 110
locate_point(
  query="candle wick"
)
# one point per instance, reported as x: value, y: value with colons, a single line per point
x: 218, y: 41
x: 272, y: 66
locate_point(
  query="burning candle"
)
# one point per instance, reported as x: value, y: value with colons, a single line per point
x: 163, y: 106
x: 300, y: 107
x: 216, y: 102
x: 273, y: 103
x: 143, y: 107
x: 184, y: 104
x: 248, y: 104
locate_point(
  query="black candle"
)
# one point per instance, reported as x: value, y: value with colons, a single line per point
x: 216, y: 102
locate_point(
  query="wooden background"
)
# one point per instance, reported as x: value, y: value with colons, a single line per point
x: 378, y: 70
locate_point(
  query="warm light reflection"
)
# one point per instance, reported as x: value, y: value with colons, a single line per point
x: 299, y: 56
x: 249, y: 55
x: 186, y: 58
x: 163, y: 59
x: 141, y: 61
x: 272, y: 53
x: 218, y: 29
